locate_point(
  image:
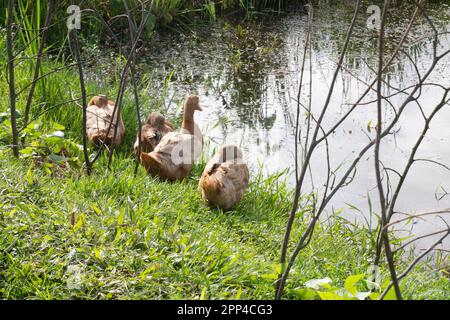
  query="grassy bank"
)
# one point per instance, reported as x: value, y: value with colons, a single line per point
x: 144, y: 239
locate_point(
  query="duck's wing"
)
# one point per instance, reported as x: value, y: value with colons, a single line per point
x: 212, y: 166
x: 161, y: 165
x: 96, y: 118
x: 108, y: 121
x: 237, y: 173
x: 211, y: 183
x: 169, y: 142
x: 179, y: 144
x: 223, y: 184
x: 96, y: 125
x: 91, y: 115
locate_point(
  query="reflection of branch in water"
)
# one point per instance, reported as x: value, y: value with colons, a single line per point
x: 441, y: 195
x: 415, y: 216
x: 403, y: 246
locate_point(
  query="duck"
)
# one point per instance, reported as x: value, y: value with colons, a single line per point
x: 225, y: 178
x: 173, y: 158
x: 155, y: 128
x: 98, y: 119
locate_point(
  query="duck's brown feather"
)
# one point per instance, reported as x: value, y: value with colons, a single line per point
x: 223, y: 184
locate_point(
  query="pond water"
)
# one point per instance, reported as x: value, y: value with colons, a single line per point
x: 247, y: 77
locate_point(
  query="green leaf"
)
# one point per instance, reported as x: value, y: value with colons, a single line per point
x: 53, y: 139
x: 30, y: 176
x: 46, y: 168
x: 391, y: 294
x: 269, y: 276
x: 400, y: 240
x: 143, y: 275
x: 203, y: 295
x: 80, y: 221
x: 329, y: 296
x: 238, y: 294
x: 121, y: 217
x: 374, y: 296
x: 96, y: 209
x: 304, y: 294
x: 57, y: 159
x: 27, y: 151
x: 351, y: 281
x: 118, y: 234
x: 58, y: 127
x: 98, y: 254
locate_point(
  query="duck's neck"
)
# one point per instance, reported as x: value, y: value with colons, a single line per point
x: 188, y: 120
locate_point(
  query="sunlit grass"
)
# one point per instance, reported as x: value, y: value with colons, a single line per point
x: 141, y: 238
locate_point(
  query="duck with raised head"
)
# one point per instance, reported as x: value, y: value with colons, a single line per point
x: 173, y: 158
x: 155, y: 128
x: 99, y: 116
x: 225, y: 178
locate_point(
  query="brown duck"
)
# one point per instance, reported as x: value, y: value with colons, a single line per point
x: 173, y: 158
x: 99, y: 117
x: 225, y: 178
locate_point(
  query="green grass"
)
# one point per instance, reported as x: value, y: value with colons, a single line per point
x: 140, y: 238
x: 156, y: 240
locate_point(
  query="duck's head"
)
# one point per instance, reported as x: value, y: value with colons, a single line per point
x: 230, y: 152
x: 156, y: 119
x: 99, y: 101
x: 192, y: 104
